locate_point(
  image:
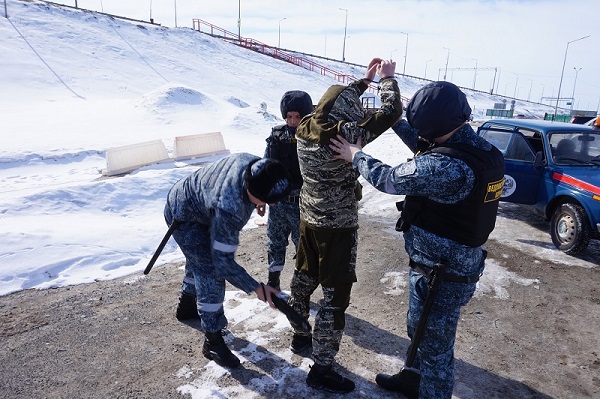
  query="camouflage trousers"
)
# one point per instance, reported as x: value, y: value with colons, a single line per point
x: 284, y: 220
x: 330, y: 319
x: 435, y: 354
x: 201, y: 279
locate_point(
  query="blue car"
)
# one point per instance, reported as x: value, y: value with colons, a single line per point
x: 555, y: 168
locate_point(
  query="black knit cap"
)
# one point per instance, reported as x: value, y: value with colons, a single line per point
x: 437, y: 109
x: 296, y: 101
x: 268, y: 180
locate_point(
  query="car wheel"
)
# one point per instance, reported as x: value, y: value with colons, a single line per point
x: 570, y: 229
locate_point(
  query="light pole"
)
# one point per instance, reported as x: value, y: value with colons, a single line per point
x: 574, y: 83
x: 447, y: 58
x: 5, y: 10
x: 279, y: 34
x: 516, y: 83
x: 345, y: 30
x: 426, y: 62
x: 475, y: 76
x: 405, y: 53
x: 530, y: 87
x: 239, y: 20
x: 175, y: 1
x: 563, y: 72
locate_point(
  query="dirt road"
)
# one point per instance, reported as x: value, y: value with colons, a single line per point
x: 120, y: 339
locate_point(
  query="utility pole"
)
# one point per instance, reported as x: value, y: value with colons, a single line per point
x: 494, y: 81
x: 475, y: 76
x: 447, y: 58
x: 563, y: 72
x: 574, y: 83
x: 426, y: 62
x: 239, y: 21
x: 405, y: 53
x: 279, y: 33
x: 345, y: 30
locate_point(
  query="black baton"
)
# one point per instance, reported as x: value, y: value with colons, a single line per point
x: 162, y: 244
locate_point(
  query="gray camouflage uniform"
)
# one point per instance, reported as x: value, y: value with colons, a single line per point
x: 329, y: 207
x: 446, y: 180
x: 284, y: 216
x: 213, y: 206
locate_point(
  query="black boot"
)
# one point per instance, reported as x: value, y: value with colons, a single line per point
x: 186, y: 309
x: 214, y: 348
x: 274, y: 280
x: 300, y: 343
x: 406, y: 381
x: 323, y: 377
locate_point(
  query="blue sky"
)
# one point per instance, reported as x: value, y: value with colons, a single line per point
x: 516, y: 46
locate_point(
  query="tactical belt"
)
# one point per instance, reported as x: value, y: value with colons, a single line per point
x: 453, y: 278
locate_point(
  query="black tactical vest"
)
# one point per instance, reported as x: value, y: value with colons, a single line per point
x: 471, y: 220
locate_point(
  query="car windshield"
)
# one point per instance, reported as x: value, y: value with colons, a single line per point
x: 575, y: 148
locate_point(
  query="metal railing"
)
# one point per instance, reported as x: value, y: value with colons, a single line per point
x: 275, y: 52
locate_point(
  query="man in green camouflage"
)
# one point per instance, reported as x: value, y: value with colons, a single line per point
x: 329, y: 215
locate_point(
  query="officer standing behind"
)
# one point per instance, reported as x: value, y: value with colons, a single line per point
x: 452, y: 190
x: 284, y: 216
x: 211, y: 206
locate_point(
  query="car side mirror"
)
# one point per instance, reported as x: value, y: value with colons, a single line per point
x: 538, y: 162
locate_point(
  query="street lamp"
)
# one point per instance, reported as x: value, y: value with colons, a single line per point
x: 563, y: 72
x: 175, y: 1
x: 474, y: 77
x: 574, y: 83
x: 239, y: 20
x: 345, y: 30
x: 405, y: 53
x: 447, y: 58
x: 279, y: 34
x: 516, y: 83
x: 426, y: 62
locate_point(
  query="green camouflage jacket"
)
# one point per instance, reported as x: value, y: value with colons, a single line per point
x: 327, y: 198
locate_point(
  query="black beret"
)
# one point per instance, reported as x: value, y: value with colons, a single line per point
x: 437, y: 109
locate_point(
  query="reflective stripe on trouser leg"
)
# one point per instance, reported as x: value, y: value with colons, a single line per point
x: 435, y: 355
x: 194, y: 241
x: 330, y: 322
x: 188, y: 285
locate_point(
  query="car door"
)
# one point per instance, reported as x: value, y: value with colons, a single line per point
x: 522, y: 177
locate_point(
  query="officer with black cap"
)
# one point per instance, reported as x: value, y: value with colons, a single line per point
x: 284, y: 217
x: 452, y: 187
x: 210, y: 207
